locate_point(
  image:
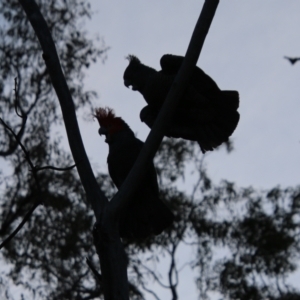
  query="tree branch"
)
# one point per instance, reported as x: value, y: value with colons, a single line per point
x: 17, y: 137
x: 55, y: 168
x: 19, y: 227
x: 93, y: 269
x: 93, y: 192
x: 108, y: 244
x: 173, y: 270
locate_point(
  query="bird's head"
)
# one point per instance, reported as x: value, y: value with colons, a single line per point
x: 109, y: 123
x: 148, y: 115
x: 131, y: 72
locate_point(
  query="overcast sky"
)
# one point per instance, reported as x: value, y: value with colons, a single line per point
x: 244, y: 51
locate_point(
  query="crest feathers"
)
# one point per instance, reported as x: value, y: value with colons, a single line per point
x: 105, y: 116
x: 133, y: 59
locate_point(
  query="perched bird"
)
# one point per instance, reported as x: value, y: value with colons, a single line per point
x: 145, y: 214
x: 205, y: 113
x: 292, y: 60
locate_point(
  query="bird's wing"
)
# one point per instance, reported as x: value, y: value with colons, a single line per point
x: 231, y: 100
x: 157, y: 88
x: 120, y: 164
x: 170, y: 63
x: 292, y: 60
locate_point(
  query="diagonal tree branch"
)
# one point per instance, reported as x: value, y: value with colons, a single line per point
x: 93, y: 192
x: 179, y: 85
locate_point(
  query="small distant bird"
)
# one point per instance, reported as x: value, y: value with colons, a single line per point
x: 205, y: 113
x: 292, y: 60
x: 145, y: 214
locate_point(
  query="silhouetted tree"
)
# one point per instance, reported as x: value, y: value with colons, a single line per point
x: 257, y: 232
x: 49, y: 248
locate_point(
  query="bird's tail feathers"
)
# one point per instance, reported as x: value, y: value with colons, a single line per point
x: 214, y: 134
x: 231, y: 99
x: 144, y: 219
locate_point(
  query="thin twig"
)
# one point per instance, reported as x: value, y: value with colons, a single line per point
x: 19, y: 227
x: 149, y: 291
x: 27, y: 156
x: 200, y: 178
x: 171, y: 271
x: 93, y: 269
x: 17, y: 103
x: 155, y: 277
x: 23, y: 116
x: 54, y: 168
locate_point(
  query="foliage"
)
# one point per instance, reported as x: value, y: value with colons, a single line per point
x: 256, y: 232
x: 38, y: 126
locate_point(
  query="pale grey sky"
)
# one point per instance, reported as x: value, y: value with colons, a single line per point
x: 244, y: 51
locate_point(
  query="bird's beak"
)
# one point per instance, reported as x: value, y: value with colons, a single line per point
x: 127, y: 83
x: 102, y: 130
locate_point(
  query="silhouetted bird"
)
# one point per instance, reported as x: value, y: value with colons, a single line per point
x: 205, y: 113
x: 146, y: 214
x: 292, y: 60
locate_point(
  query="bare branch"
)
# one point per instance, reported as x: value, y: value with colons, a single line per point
x: 93, y: 269
x: 93, y: 192
x: 18, y: 142
x: 23, y: 116
x: 173, y: 270
x: 54, y: 168
x: 149, y: 291
x: 155, y: 277
x: 19, y: 227
x: 16, y: 89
